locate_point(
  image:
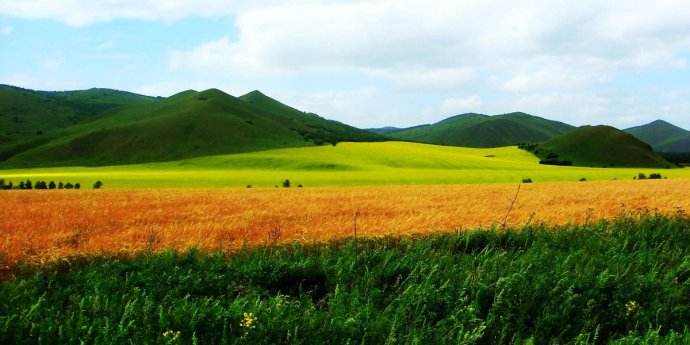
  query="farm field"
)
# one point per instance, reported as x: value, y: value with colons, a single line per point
x: 624, y: 281
x: 49, y: 225
x: 347, y: 164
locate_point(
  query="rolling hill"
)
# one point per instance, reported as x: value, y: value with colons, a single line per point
x: 598, y: 146
x: 28, y: 114
x: 478, y: 130
x: 189, y: 124
x: 663, y: 136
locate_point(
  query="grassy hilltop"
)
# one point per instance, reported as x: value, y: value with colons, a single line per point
x: 599, y: 146
x: 189, y: 124
x: 663, y: 136
x: 477, y: 130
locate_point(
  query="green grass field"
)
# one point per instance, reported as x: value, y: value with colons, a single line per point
x: 620, y: 282
x: 347, y: 164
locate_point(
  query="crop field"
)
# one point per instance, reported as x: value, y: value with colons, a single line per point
x: 347, y: 164
x: 48, y: 225
x: 625, y: 281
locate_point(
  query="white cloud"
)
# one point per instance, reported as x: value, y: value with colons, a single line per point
x: 543, y: 56
x: 457, y: 105
x: 6, y: 30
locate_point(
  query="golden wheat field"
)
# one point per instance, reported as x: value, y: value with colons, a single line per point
x: 46, y: 225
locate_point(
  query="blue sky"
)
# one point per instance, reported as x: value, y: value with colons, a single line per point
x: 368, y: 63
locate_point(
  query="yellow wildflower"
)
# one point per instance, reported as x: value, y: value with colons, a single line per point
x: 248, y: 321
x: 631, y: 307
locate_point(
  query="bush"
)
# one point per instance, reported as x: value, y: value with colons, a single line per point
x: 527, y: 180
x: 97, y: 185
x: 641, y: 176
x: 51, y: 185
x: 77, y: 186
x: 286, y: 184
x: 583, y: 179
x: 655, y: 176
x: 69, y: 185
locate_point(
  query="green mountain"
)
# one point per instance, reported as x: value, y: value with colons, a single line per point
x: 663, y: 136
x: 27, y: 114
x: 598, y: 146
x: 189, y: 124
x: 478, y: 130
x: 310, y: 126
x: 390, y: 130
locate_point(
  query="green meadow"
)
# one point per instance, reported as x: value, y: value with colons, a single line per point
x: 346, y: 164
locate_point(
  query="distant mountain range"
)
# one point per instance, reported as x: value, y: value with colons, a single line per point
x: 106, y: 127
x: 478, y: 130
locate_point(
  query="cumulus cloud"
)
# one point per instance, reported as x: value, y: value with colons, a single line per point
x: 538, y: 45
x: 549, y: 56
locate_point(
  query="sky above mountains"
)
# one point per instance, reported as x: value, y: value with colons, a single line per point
x: 369, y: 63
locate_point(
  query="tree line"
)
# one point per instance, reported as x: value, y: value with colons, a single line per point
x: 24, y: 185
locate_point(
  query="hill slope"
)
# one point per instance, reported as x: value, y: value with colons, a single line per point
x: 663, y: 136
x: 478, y: 130
x: 189, y: 124
x: 27, y: 114
x: 601, y: 146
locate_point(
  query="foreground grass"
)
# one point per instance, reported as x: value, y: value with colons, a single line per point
x: 624, y: 282
x: 347, y: 164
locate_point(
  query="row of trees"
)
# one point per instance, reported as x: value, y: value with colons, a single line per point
x: 45, y: 185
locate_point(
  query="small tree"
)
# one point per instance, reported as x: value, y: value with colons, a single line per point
x: 77, y: 185
x: 22, y: 185
x: 51, y: 185
x: 41, y: 185
x: 61, y: 185
x: 286, y: 184
x: 69, y: 185
x: 97, y: 185
x: 527, y: 180
x: 28, y: 184
x: 2, y: 183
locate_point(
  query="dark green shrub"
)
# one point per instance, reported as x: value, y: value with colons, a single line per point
x: 51, y: 185
x: 527, y: 180
x: 98, y: 185
x: 286, y: 184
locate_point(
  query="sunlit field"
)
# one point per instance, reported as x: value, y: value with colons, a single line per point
x: 47, y: 225
x: 347, y: 164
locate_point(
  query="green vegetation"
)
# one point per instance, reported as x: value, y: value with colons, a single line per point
x: 30, y: 115
x: 347, y: 164
x: 477, y: 130
x: 189, y: 124
x: 623, y: 282
x: 662, y: 136
x: 601, y: 146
